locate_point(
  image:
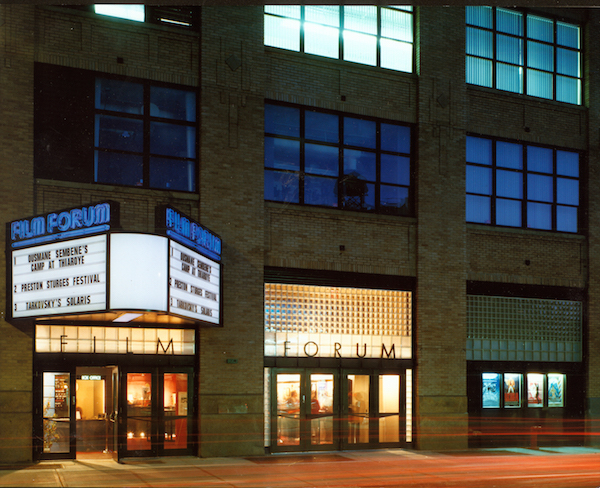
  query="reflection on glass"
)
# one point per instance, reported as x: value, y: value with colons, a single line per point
x: 321, y: 405
x: 56, y: 411
x: 288, y: 409
x: 139, y: 411
x: 358, y: 409
x: 512, y: 390
x: 389, y: 403
x: 556, y: 390
x: 535, y: 390
x: 490, y: 390
x: 175, y: 405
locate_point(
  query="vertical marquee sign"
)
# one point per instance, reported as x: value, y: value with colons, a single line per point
x: 194, y: 267
x: 59, y: 261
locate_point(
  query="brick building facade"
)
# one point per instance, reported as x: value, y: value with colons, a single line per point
x: 255, y: 105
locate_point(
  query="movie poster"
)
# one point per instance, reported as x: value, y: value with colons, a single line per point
x: 512, y: 390
x: 535, y: 390
x: 556, y: 390
x: 491, y: 390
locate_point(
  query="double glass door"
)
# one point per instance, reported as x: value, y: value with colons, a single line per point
x: 331, y: 410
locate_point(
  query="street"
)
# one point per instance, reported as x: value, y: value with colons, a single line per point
x: 515, y: 468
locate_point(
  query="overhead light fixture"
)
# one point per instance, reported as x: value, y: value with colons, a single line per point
x: 127, y: 317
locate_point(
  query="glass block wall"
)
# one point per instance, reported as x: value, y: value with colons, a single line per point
x: 326, y: 316
x: 523, y: 329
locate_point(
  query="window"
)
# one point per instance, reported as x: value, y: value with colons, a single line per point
x: 508, y: 391
x: 330, y: 160
x: 184, y: 17
x: 522, y: 185
x: 114, y: 131
x: 523, y: 53
x: 375, y: 36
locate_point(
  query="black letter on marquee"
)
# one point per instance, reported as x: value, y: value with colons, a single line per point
x: 311, y: 355
x: 285, y: 348
x: 169, y: 345
x: 62, y: 342
x: 336, y: 353
x: 392, y: 351
x: 364, y: 353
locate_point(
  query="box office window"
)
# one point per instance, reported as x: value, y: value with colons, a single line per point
x: 330, y: 160
x: 523, y: 53
x: 517, y: 390
x: 93, y: 128
x: 366, y: 34
x: 522, y: 185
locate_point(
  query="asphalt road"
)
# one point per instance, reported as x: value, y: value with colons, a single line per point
x: 547, y: 468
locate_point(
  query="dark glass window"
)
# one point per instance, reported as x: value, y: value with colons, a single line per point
x: 92, y: 128
x: 332, y: 160
x: 523, y: 53
x: 522, y: 185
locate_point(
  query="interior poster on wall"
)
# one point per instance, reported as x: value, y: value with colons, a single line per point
x: 535, y: 390
x: 512, y: 390
x: 556, y: 388
x: 491, y: 390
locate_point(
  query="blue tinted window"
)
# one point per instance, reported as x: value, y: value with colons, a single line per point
x: 566, y: 219
x: 567, y: 191
x: 539, y: 159
x: 479, y: 150
x: 281, y: 186
x: 395, y: 169
x: 480, y: 16
x: 172, y: 104
x: 567, y: 163
x: 539, y: 188
x: 395, y: 197
x: 539, y: 216
x: 508, y: 212
x: 119, y: 133
x: 479, y: 180
x: 360, y: 163
x: 509, y: 21
x: 509, y: 155
x: 282, y: 120
x: 282, y: 153
x: 172, y: 174
x: 479, y: 209
x: 480, y: 43
x: 395, y: 138
x: 119, y: 169
x: 359, y: 132
x: 509, y: 184
x: 320, y: 191
x: 172, y: 140
x: 321, y: 160
x: 119, y: 96
x: 322, y: 127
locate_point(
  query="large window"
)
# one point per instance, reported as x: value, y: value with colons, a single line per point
x: 330, y: 160
x: 375, y: 36
x: 94, y: 128
x: 522, y: 185
x: 523, y: 53
x: 185, y: 17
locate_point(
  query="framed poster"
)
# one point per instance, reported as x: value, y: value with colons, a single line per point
x: 556, y: 390
x: 512, y: 390
x: 535, y: 390
x: 490, y: 390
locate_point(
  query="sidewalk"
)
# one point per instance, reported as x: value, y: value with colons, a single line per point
x: 394, y: 467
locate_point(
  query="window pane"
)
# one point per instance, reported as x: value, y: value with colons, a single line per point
x: 539, y: 84
x: 281, y: 187
x: 119, y: 169
x: 320, y: 191
x: 508, y: 212
x: 480, y: 16
x: 540, y: 28
x: 119, y: 133
x: 292, y: 11
x: 360, y: 48
x: 539, y: 159
x: 556, y: 390
x: 361, y: 19
x: 321, y: 127
x: 172, y: 174
x: 566, y: 219
x: 395, y: 138
x: 172, y: 104
x: 539, y: 216
x: 479, y: 42
x: 509, y: 78
x: 321, y: 160
x: 479, y: 150
x: 321, y: 40
x: 357, y: 194
x: 509, y: 184
x: 281, y: 120
x: 509, y: 21
x: 479, y: 180
x: 324, y: 14
x: 567, y: 163
x: 396, y: 55
x: 479, y: 71
x: 478, y: 209
x: 119, y: 96
x: 509, y: 49
x: 567, y: 191
x: 568, y: 90
x: 359, y: 132
x: 512, y: 390
x: 509, y: 155
x: 535, y: 390
x: 360, y: 163
x: 539, y: 188
x: 172, y: 140
x: 567, y: 62
x: 395, y: 169
x: 282, y: 153
x: 540, y: 56
x: 567, y: 35
x: 394, y: 199
x: 491, y: 390
x: 396, y: 24
x: 129, y: 12
x: 282, y: 33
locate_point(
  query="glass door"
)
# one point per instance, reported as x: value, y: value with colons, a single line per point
x: 357, y: 408
x: 57, y: 431
x: 321, y: 410
x: 139, y: 396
